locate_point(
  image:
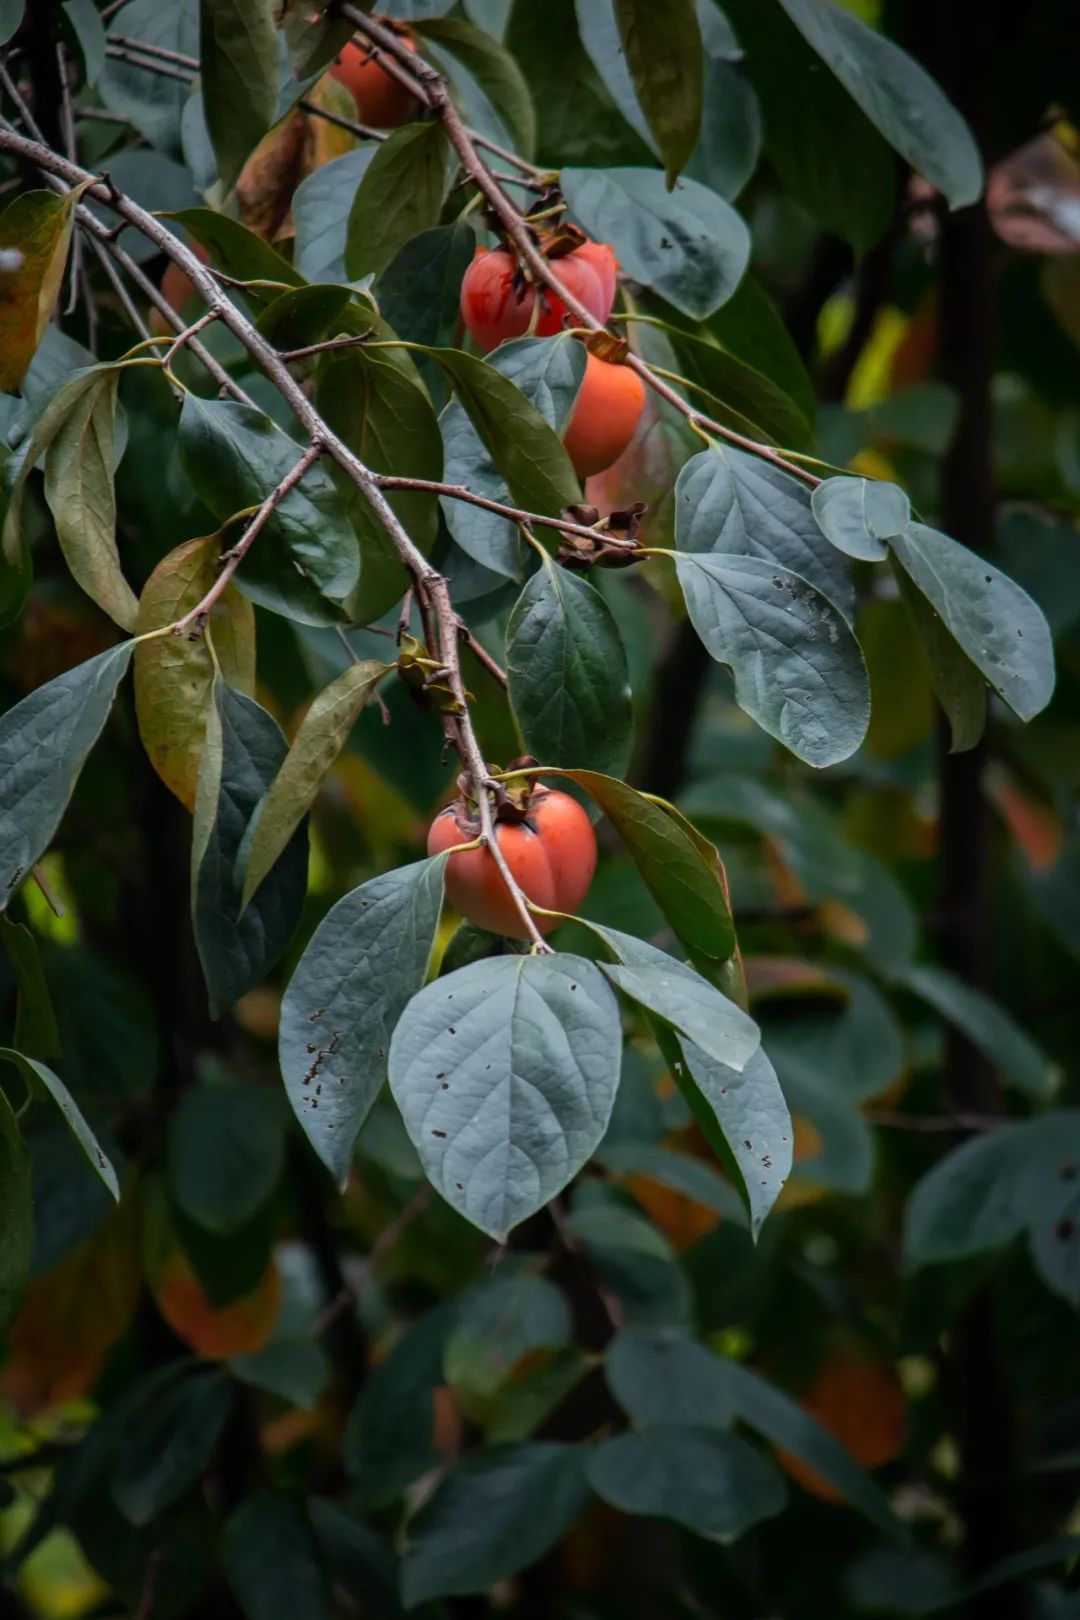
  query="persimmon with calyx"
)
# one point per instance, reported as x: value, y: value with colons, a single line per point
x: 498, y: 303
x: 381, y: 100
x: 547, y: 842
x: 605, y: 415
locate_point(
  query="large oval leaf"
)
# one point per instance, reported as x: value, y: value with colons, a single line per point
x: 797, y: 667
x: 666, y: 62
x: 367, y: 957
x: 43, y: 743
x: 238, y: 73
x: 505, y: 1073
x: 400, y: 193
x: 688, y: 243
x: 714, y: 1483
x: 568, y: 680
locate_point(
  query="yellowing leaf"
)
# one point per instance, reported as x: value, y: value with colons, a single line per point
x: 37, y: 226
x: 174, y: 675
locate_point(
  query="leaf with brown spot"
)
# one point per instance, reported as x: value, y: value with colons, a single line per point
x: 38, y: 226
x: 174, y: 675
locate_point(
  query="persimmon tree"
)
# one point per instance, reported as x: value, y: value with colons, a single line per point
x: 536, y: 853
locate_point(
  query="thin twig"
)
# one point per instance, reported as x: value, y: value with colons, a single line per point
x: 177, y: 58
x: 481, y: 654
x: 515, y: 514
x: 932, y: 1122
x: 102, y: 115
x: 184, y: 338
x: 193, y: 623
x: 325, y: 347
x: 387, y: 1240
x: 164, y: 70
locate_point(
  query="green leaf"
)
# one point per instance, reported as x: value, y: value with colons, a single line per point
x: 89, y: 30
x: 673, y: 992
x: 548, y: 371
x: 320, y: 208
x: 11, y: 16
x: 238, y: 251
x: 389, y: 1440
x: 729, y: 145
x: 753, y: 1115
x: 499, y: 1322
x: 493, y: 1515
x: 239, y: 77
x: 82, y: 499
x: 997, y: 625
x: 305, y: 561
x: 897, y: 95
x: 681, y: 1172
x: 636, y: 1262
x: 243, y: 752
x: 420, y: 289
x: 16, y: 1215
x: 958, y: 685
x: 225, y: 1151
x: 39, y: 1077
x: 400, y: 193
x: 845, y: 179
x: 528, y: 455
x: 169, y: 1441
x: 305, y: 315
x: 55, y: 411
x: 362, y: 1563
x: 323, y: 732
x: 374, y: 399
x: 495, y: 71
x: 36, y: 1031
x: 988, y: 1026
x: 43, y: 743
x: 569, y: 686
x: 739, y: 395
x: 271, y: 1559
x: 174, y: 675
x: 859, y: 514
x: 713, y: 1483
x: 666, y: 62
x: 730, y: 503
x: 661, y: 1377
x: 750, y: 326
x: 687, y: 243
x: 797, y: 667
x: 365, y: 960
x: 38, y: 226
x: 505, y: 1073
x: 775, y: 1415
x: 527, y: 1400
x: 685, y: 884
x: 152, y: 102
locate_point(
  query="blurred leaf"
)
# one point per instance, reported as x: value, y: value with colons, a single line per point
x: 323, y: 733
x: 680, y: 1173
x: 16, y: 1215
x: 797, y: 667
x: 320, y: 208
x: 548, y: 371
x: 239, y: 76
x: 37, y: 226
x: 989, y: 1027
x: 243, y: 752
x: 498, y: 1323
x: 271, y: 1559
x: 775, y: 1415
x: 174, y: 675
x: 1040, y: 553
x: 997, y: 624
x: 81, y: 497
x: 362, y: 1563
x: 38, y: 1077
x: 897, y: 95
x: 733, y: 504
x: 713, y: 1483
x: 659, y: 1377
x: 149, y: 100
x: 90, y: 33
x: 36, y: 1031
x: 401, y: 192
x: 664, y: 55
x: 494, y: 69
x: 226, y: 1149
x: 389, y: 1440
x: 846, y: 181
x: 169, y: 1441
x: 305, y: 561
x: 687, y: 243
x: 536, y: 1390
x: 859, y: 514
x: 958, y: 685
x: 729, y: 145
x: 505, y: 1104
x: 11, y: 16
x: 493, y: 1515
x: 43, y: 743
x: 568, y: 681
x: 366, y: 959
x: 635, y: 1261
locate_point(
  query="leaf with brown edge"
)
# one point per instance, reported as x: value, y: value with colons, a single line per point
x: 322, y: 735
x: 38, y: 227
x: 81, y: 494
x: 174, y: 674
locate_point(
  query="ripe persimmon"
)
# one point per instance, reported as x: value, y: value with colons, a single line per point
x: 551, y: 852
x: 497, y: 302
x: 381, y: 100
x: 605, y: 416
